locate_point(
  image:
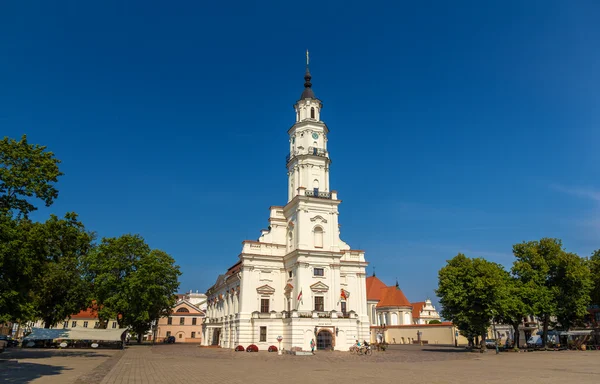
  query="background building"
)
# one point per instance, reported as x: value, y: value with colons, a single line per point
x: 184, y: 323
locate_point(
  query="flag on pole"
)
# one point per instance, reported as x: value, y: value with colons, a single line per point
x: 300, y: 295
x: 344, y: 295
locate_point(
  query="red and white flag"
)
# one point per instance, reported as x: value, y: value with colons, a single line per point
x: 300, y: 296
x: 344, y: 295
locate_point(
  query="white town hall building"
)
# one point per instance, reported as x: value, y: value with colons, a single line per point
x: 299, y: 281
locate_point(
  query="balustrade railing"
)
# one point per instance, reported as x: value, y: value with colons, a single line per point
x: 311, y: 151
x: 321, y: 195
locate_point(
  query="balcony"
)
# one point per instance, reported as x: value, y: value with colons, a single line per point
x: 316, y: 193
x: 314, y: 151
x: 317, y: 151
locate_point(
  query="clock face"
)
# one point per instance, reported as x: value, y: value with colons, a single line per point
x: 315, y: 136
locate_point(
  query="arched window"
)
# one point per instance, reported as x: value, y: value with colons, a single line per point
x: 318, y: 237
x: 316, y: 187
x: 183, y: 309
x: 394, y: 319
x: 312, y: 113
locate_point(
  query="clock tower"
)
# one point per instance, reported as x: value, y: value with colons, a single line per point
x: 298, y: 280
x: 308, y: 161
x: 312, y: 207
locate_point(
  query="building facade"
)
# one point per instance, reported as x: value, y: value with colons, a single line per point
x: 394, y: 319
x: 184, y: 323
x: 299, y: 281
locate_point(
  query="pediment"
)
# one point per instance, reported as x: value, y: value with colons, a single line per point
x: 265, y: 290
x: 319, y: 287
x: 318, y: 218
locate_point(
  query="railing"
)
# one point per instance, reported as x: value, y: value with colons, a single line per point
x: 321, y: 195
x: 314, y: 151
x: 317, y: 151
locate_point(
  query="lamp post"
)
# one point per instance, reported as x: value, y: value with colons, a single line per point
x: 279, y: 338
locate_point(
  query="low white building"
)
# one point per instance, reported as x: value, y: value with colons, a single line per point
x: 299, y: 281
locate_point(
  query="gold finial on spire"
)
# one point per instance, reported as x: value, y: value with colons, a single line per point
x: 307, y: 59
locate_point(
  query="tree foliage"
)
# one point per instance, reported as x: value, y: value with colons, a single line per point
x: 52, y: 270
x: 151, y: 291
x: 471, y: 292
x: 26, y: 170
x: 59, y: 290
x: 132, y: 283
x: 594, y: 265
x: 556, y: 283
x: 20, y: 264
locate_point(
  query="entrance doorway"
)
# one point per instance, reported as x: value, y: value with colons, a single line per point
x: 216, y: 335
x: 324, y: 340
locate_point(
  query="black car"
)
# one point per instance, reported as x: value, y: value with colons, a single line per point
x: 170, y: 340
x: 10, y: 342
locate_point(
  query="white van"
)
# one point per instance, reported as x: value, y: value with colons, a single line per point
x: 536, y: 341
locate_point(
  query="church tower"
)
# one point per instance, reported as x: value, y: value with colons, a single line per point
x: 298, y: 280
x: 312, y: 206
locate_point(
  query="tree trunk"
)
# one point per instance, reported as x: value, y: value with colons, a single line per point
x: 139, y: 338
x: 47, y: 323
x: 545, y: 330
x: 517, y: 335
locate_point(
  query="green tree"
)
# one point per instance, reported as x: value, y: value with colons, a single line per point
x: 108, y: 269
x: 513, y: 308
x: 555, y: 282
x: 594, y: 264
x: 435, y: 322
x: 151, y: 290
x: 60, y: 290
x: 20, y: 264
x: 26, y: 170
x: 573, y: 287
x: 471, y: 292
x: 131, y: 282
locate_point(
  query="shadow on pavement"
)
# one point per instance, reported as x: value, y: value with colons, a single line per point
x: 12, y: 372
x: 26, y: 353
x: 447, y: 350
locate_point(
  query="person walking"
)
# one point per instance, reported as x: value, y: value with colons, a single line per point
x: 312, y: 346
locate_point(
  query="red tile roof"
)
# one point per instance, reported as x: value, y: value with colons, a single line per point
x: 393, y: 297
x: 90, y: 313
x: 417, y: 308
x: 374, y: 286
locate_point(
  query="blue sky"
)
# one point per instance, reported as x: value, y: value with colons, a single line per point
x: 455, y: 126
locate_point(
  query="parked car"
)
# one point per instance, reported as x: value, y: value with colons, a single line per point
x: 536, y: 341
x: 490, y: 343
x: 170, y: 340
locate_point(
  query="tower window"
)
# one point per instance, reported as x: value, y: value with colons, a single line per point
x: 312, y: 113
x: 318, y: 237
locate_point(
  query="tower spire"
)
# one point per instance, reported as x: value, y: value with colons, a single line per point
x: 308, y: 92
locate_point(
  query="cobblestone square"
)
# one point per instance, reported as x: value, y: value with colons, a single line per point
x: 178, y: 364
